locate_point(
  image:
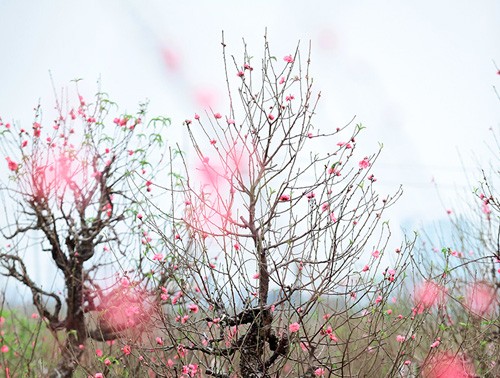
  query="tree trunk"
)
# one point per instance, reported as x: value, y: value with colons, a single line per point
x: 76, y: 332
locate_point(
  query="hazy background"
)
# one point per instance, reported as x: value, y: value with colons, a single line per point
x: 419, y: 75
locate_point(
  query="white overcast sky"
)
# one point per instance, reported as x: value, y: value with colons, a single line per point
x: 419, y: 75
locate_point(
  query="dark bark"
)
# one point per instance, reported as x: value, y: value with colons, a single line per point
x: 76, y: 331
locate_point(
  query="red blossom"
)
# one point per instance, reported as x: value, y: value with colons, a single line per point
x: 13, y: 166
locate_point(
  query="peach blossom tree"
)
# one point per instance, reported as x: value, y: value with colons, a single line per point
x: 457, y: 308
x: 73, y: 187
x: 276, y: 263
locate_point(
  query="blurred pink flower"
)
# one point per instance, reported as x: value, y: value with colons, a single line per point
x: 294, y: 327
x: 447, y: 365
x: 428, y: 295
x: 481, y: 299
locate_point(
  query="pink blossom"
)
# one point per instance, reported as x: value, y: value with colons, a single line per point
x: 282, y: 80
x: 230, y: 121
x: 247, y: 67
x: 332, y: 217
x: 376, y: 254
x: 481, y: 299
x: 217, y: 115
x: 12, y: 164
x: 436, y: 343
x: 365, y: 163
x: 333, y: 337
x: 289, y: 98
x: 158, y: 256
x: 192, y: 307
x: 325, y: 206
x: 196, y: 117
x: 271, y: 117
x: 366, y: 268
x: 107, y: 362
x: 288, y: 59
x: 319, y: 372
x: 284, y: 198
x: 181, y: 350
x: 310, y: 195
x: 256, y: 276
x: 400, y: 338
x: 5, y: 349
x: 126, y: 350
x: 125, y: 282
x: 294, y: 327
x: 240, y: 74
x: 333, y: 171
x: 407, y: 362
x: 98, y: 375
x: 159, y: 341
x: 485, y: 208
